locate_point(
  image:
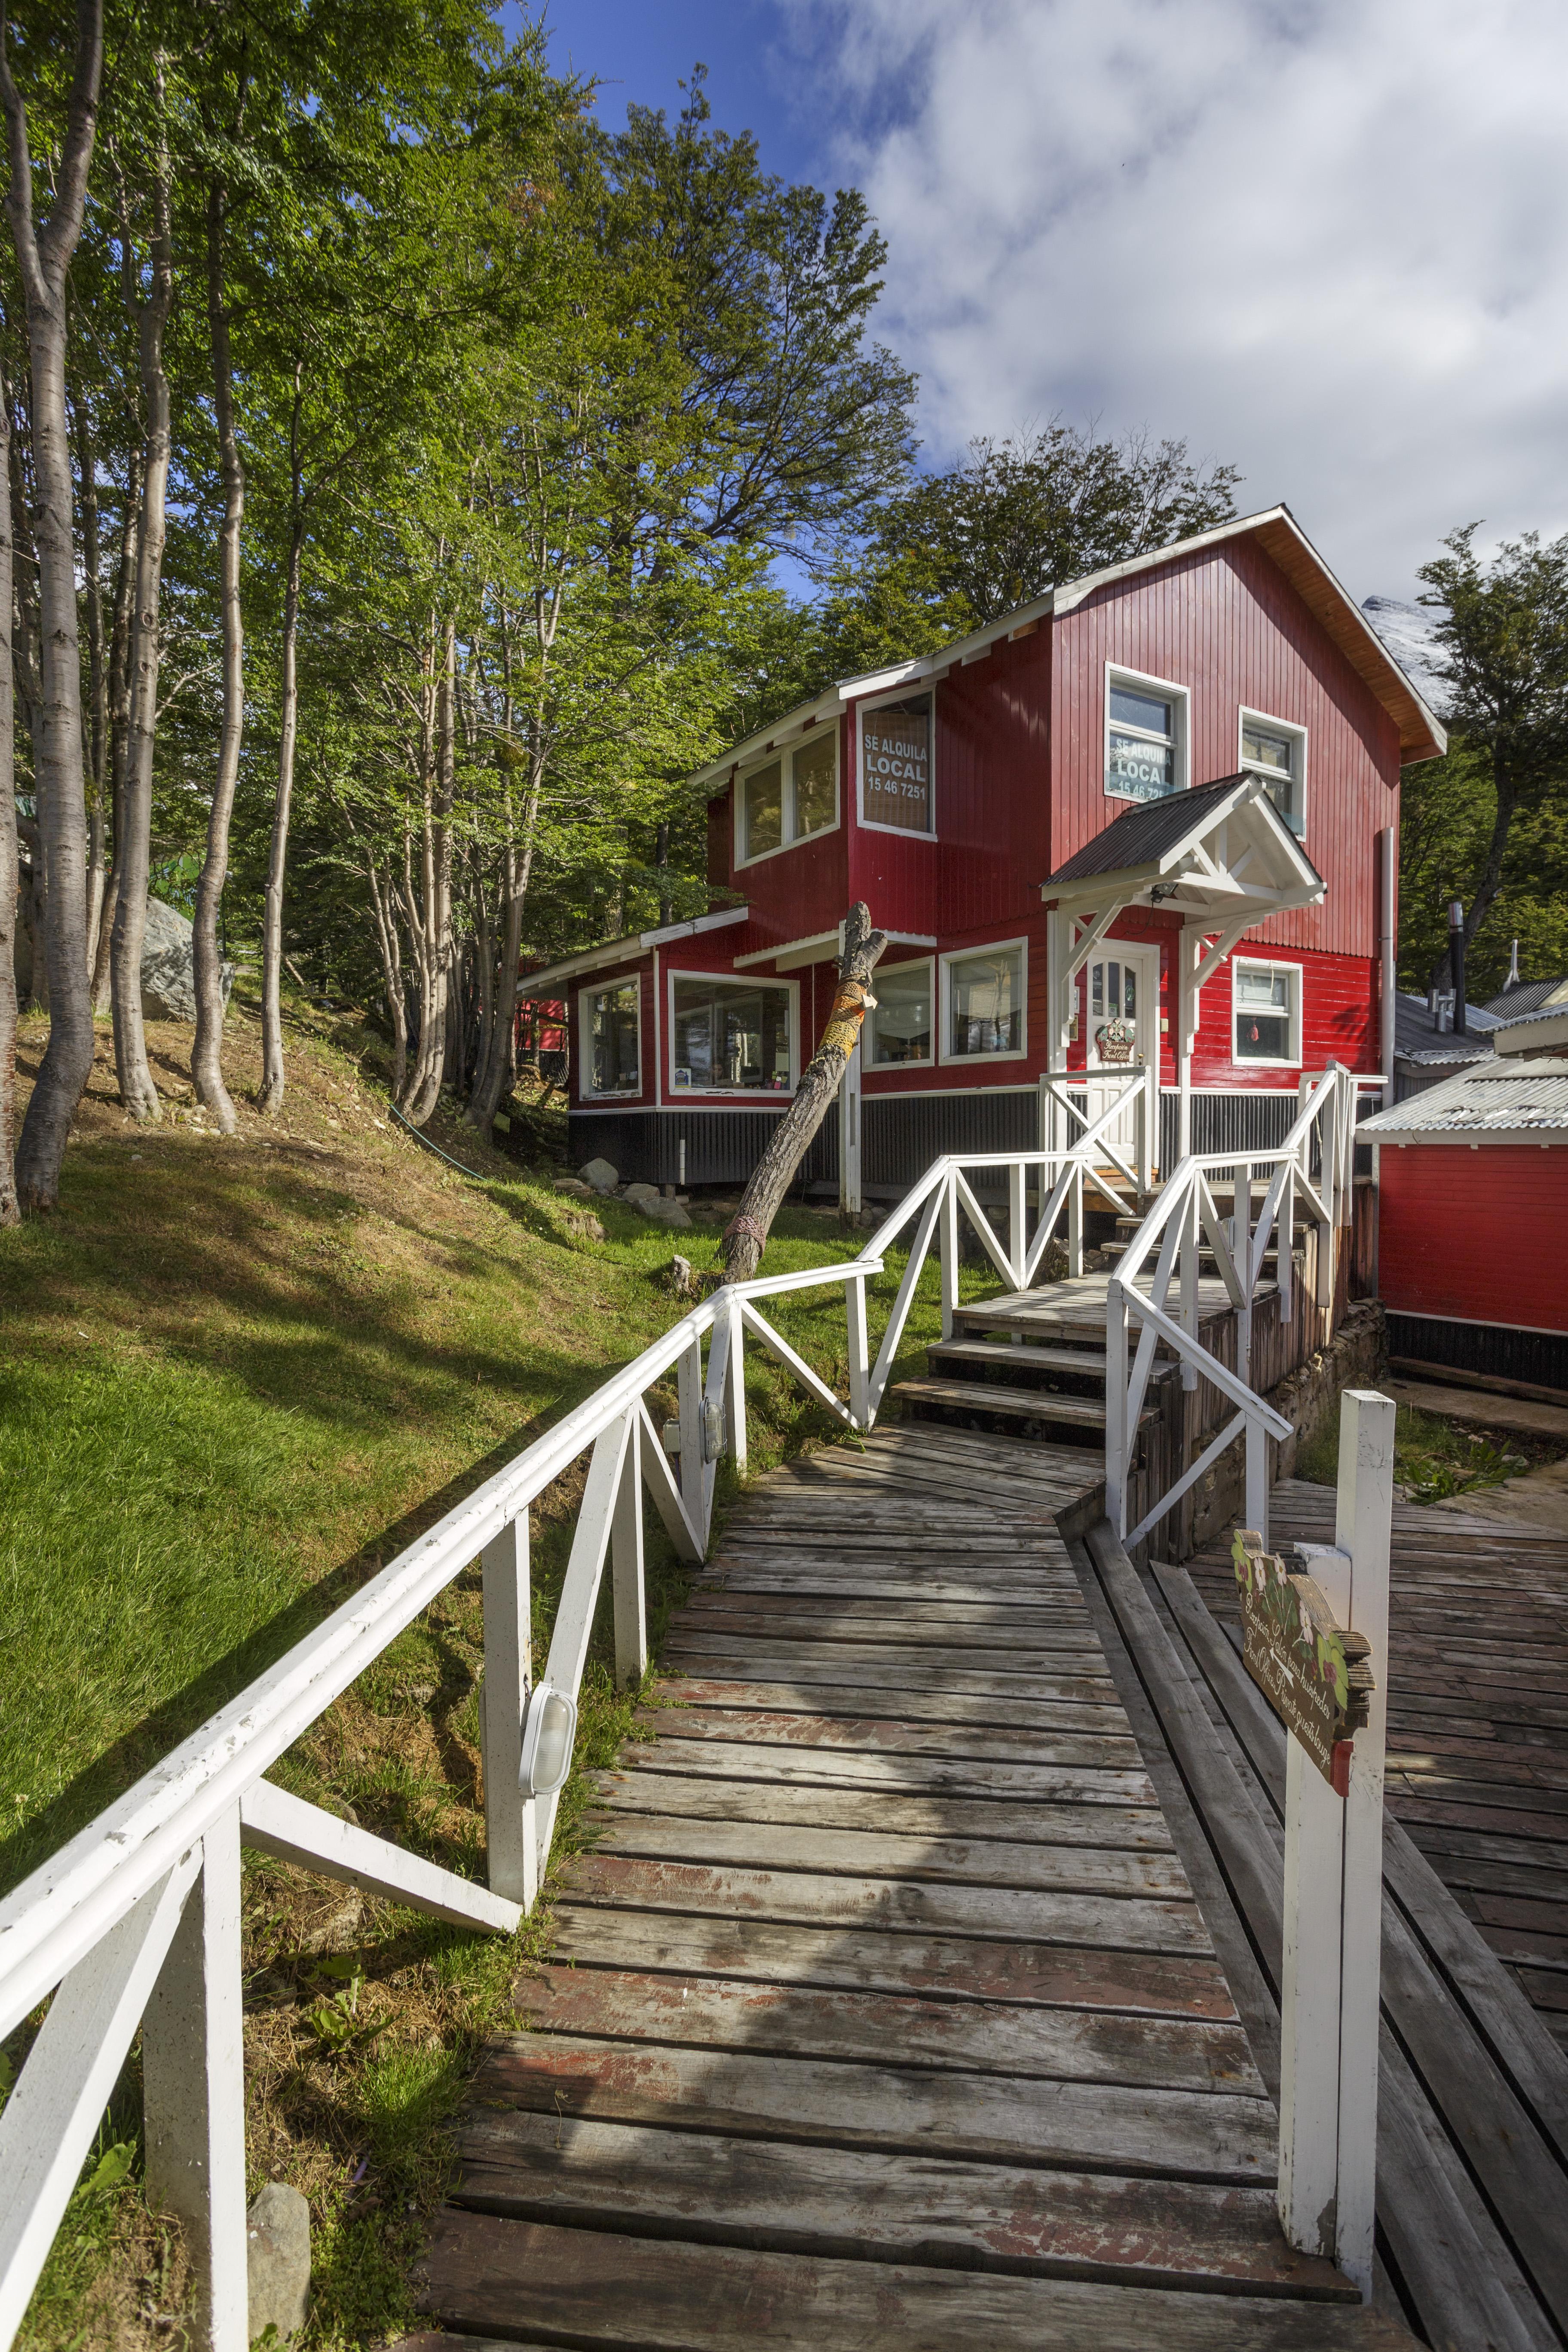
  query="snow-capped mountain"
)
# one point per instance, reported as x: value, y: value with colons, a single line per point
x: 1407, y: 631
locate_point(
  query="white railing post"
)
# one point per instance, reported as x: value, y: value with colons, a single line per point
x: 511, y: 1828
x: 735, y: 1384
x: 1116, y: 1450
x: 859, y: 1353
x: 949, y: 1251
x: 688, y: 1392
x: 1241, y: 1258
x: 193, y: 2075
x: 1191, y: 1239
x: 1333, y: 1891
x: 628, y: 1586
x: 1017, y: 1222
x: 1075, y: 1222
x: 1256, y: 1444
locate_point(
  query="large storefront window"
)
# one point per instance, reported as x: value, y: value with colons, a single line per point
x: 900, y: 1023
x: 986, y: 1002
x: 614, y: 1021
x: 730, y: 1035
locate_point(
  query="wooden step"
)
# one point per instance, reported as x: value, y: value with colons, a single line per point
x: 1020, y: 1404
x: 1086, y: 1363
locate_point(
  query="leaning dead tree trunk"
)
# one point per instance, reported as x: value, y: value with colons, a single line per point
x: 746, y: 1234
x: 44, y: 258
x: 9, y: 865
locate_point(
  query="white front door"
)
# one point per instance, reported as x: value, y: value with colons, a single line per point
x: 1123, y: 1033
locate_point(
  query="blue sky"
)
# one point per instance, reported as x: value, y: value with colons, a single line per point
x: 1322, y: 239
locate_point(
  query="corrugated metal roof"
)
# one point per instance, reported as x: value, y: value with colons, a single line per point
x: 1540, y: 1012
x: 1525, y: 996
x: 1500, y: 1097
x: 1144, y: 834
x: 1417, y: 1039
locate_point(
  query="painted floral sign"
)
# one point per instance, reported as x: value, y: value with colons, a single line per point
x: 1313, y: 1671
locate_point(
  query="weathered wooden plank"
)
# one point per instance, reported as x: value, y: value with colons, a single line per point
x: 985, y: 2037
x: 1129, y: 1922
x: 1041, y: 1654
x: 1049, y: 1743
x: 756, y: 1619
x: 864, y: 2205
x: 596, y: 2288
x: 1063, y: 1783
x: 948, y: 1968
x: 829, y: 1614
x: 827, y: 1668
x: 1138, y: 1828
x: 1196, y: 2135
x: 1084, y: 1703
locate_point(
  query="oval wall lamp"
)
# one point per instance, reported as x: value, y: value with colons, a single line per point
x: 549, y: 1727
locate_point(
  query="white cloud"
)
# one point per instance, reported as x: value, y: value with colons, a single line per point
x: 1326, y: 241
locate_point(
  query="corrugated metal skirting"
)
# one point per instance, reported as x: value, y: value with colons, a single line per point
x: 1495, y: 1349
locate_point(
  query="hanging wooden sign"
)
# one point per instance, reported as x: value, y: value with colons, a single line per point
x: 1313, y: 1671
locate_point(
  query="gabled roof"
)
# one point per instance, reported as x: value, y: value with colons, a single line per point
x: 1527, y: 996
x: 1421, y: 734
x: 550, y: 976
x: 1497, y: 1101
x: 1222, y: 851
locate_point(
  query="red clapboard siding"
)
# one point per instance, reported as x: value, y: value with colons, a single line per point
x: 1475, y: 1234
x: 1227, y: 625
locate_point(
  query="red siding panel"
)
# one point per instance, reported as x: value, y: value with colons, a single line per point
x: 1474, y: 1235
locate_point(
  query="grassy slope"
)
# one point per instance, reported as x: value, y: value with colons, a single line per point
x: 237, y: 1376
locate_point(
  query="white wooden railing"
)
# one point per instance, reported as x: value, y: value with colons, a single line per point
x: 1311, y: 1171
x: 136, y: 1922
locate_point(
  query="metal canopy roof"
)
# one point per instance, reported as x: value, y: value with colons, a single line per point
x: 1497, y: 1101
x: 1221, y: 852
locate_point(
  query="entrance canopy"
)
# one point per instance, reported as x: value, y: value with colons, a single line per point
x: 1220, y: 856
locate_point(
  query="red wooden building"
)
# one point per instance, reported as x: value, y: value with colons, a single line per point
x: 1152, y: 813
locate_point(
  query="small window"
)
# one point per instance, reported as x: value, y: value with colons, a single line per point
x: 732, y: 1037
x: 790, y: 797
x: 901, y: 1021
x: 1266, y: 999
x: 1145, y: 737
x: 896, y: 765
x: 985, y: 1007
x: 1277, y: 751
x: 613, y: 1017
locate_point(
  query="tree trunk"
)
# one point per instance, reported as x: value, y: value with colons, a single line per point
x: 119, y: 695
x: 9, y: 862
x: 134, y: 849
x: 44, y: 258
x: 746, y: 1234
x: 97, y: 685
x: 207, y: 1054
x: 425, y: 1090
x: 270, y: 1097
x: 495, y: 1076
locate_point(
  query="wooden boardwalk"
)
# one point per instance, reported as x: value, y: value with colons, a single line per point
x: 1478, y: 1720
x: 885, y: 2013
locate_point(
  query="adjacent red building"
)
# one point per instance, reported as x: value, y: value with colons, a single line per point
x: 1150, y: 816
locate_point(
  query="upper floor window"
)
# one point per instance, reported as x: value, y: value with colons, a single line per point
x: 1145, y: 736
x: 1276, y: 750
x: 1265, y: 1009
x: 791, y: 795
x: 896, y: 764
x: 901, y: 1021
x: 612, y: 1021
x: 984, y: 1013
x: 731, y: 1037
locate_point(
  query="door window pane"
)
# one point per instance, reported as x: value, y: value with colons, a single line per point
x: 815, y: 784
x: 985, y: 997
x: 730, y: 1035
x: 900, y: 1025
x: 765, y: 809
x: 612, y: 1025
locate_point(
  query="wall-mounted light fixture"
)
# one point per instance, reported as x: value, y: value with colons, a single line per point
x: 549, y: 1727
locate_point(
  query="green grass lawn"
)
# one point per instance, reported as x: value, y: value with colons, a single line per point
x: 237, y: 1377
x: 1434, y: 1458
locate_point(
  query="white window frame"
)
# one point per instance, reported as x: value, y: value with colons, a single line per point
x: 738, y: 979
x: 912, y: 963
x: 965, y: 955
x: 1180, y: 698
x: 1292, y: 1061
x: 864, y: 710
x: 785, y: 754
x: 585, y: 1000
x: 1279, y: 726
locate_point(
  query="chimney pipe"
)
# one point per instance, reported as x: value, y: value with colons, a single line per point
x: 1457, y: 962
x: 1513, y: 980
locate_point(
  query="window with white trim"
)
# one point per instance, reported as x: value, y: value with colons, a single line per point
x: 788, y: 797
x: 1145, y: 736
x: 982, y: 1008
x: 1277, y: 751
x: 1266, y: 1012
x: 612, y: 1030
x: 900, y: 1022
x: 731, y: 1037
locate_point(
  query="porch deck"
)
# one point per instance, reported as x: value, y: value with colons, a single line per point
x: 887, y: 2008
